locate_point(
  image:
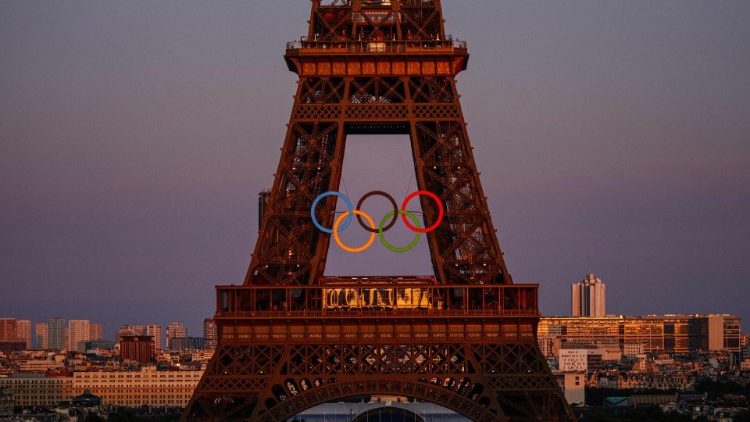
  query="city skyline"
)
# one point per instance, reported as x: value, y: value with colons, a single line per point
x: 131, y: 176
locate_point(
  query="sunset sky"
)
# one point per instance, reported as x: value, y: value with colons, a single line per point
x: 611, y: 137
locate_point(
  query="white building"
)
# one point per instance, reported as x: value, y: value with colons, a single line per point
x: 574, y: 360
x: 588, y: 298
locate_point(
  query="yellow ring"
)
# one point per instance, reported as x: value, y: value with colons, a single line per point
x: 340, y: 220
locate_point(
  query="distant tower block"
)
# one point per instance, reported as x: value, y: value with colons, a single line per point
x: 588, y: 297
x: 469, y: 342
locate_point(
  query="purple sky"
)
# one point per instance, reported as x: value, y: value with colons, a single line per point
x: 134, y: 137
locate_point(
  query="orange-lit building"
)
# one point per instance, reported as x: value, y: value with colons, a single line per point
x: 137, y: 348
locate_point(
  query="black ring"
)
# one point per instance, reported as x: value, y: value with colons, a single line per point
x: 384, y: 195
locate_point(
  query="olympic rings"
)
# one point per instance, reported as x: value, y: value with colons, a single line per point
x: 342, y: 221
x: 388, y: 245
x: 349, y: 207
x: 393, y: 213
x: 336, y: 232
x: 441, y: 211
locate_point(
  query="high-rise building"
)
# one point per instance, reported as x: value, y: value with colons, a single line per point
x: 41, y: 336
x: 23, y: 327
x: 137, y: 348
x: 8, y: 329
x: 79, y: 331
x: 96, y: 331
x: 175, y: 330
x: 154, y: 330
x: 588, y: 298
x: 210, y: 336
x: 56, y: 333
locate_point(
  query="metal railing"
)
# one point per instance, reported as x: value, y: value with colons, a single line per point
x: 350, y: 46
x: 377, y: 298
x: 386, y: 313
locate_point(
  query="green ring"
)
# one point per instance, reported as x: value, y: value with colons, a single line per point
x: 389, y: 246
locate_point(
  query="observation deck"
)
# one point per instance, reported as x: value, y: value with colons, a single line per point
x: 376, y: 58
x: 367, y: 309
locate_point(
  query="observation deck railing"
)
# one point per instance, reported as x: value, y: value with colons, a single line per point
x: 373, y: 298
x: 354, y: 46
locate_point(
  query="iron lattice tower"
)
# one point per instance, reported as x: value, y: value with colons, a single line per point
x: 470, y: 343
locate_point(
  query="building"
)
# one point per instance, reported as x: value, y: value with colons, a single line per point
x: 130, y: 330
x: 94, y: 346
x: 23, y: 327
x: 588, y: 298
x: 175, y: 330
x: 137, y: 348
x: 9, y: 347
x: 154, y: 330
x: 582, y: 358
x: 183, y: 343
x: 633, y: 350
x: 41, y: 336
x: 573, y: 385
x: 36, y: 389
x: 56, y: 333
x: 573, y: 360
x: 96, y: 331
x: 677, y: 334
x: 134, y: 389
x: 125, y: 388
x: 79, y: 332
x: 210, y: 334
x: 6, y: 404
x: 724, y: 333
x: 8, y: 329
x: 40, y: 365
x: 677, y: 329
x: 599, y: 331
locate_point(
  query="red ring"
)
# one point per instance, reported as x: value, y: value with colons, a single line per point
x: 441, y: 211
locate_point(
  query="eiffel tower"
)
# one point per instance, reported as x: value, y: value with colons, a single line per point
x: 287, y: 339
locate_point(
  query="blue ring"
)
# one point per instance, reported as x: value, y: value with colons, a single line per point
x: 347, y: 201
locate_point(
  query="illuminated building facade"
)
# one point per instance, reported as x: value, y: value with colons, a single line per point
x: 34, y: 389
x: 679, y: 334
x: 134, y: 389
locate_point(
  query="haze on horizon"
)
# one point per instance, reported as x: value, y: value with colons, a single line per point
x: 135, y: 136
